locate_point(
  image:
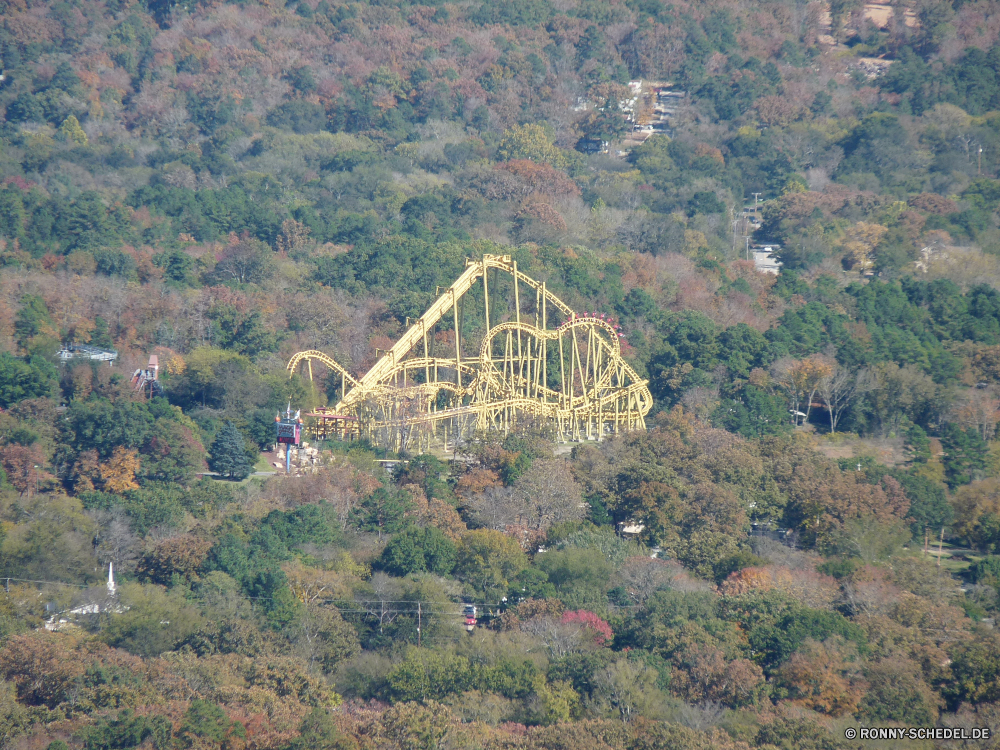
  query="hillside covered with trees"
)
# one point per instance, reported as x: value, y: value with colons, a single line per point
x: 814, y: 511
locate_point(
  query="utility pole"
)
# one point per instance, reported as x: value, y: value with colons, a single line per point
x: 756, y: 197
x: 419, y: 613
x: 979, y: 171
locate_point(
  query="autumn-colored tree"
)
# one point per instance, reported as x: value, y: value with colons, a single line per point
x: 778, y: 110
x: 543, y: 213
x: 822, y: 498
x: 862, y: 240
x: 602, y: 632
x: 294, y: 236
x: 980, y: 409
x: 801, y: 379
x: 539, y: 177
x: 824, y: 677
x: 804, y: 585
x: 475, y: 481
x: 976, y: 506
x: 752, y: 579
x: 23, y: 466
x: 118, y: 472
x: 180, y: 556
x: 42, y: 668
x: 933, y: 203
x: 870, y: 592
x: 528, y: 609
x: 435, y: 512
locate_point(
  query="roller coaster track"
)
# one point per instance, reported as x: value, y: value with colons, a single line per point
x: 571, y: 376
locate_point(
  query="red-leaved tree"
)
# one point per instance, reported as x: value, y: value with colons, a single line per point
x: 601, y: 630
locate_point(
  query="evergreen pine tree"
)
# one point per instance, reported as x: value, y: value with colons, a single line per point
x: 965, y: 454
x: 101, y: 335
x: 229, y: 454
x: 381, y: 512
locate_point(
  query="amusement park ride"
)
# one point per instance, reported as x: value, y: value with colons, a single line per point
x: 537, y: 362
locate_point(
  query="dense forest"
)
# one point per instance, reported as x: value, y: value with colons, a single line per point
x: 805, y: 540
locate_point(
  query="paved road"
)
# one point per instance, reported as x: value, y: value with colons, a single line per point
x: 255, y: 474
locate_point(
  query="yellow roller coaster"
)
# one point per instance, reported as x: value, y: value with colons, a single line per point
x: 537, y: 361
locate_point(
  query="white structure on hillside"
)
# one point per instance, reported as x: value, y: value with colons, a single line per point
x: 96, y: 603
x: 764, y: 260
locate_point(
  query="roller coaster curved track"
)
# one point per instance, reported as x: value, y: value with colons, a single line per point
x: 570, y: 375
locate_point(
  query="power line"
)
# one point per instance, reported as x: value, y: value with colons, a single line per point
x: 53, y: 583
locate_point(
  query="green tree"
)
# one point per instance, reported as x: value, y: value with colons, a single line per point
x: 966, y: 455
x: 240, y: 332
x: 382, y: 512
x: 774, y: 639
x: 102, y: 426
x: 101, y: 335
x: 897, y: 692
x: 986, y: 570
x: 417, y: 726
x: 530, y: 142
x: 606, y: 123
x: 32, y: 319
x: 652, y: 158
x: 929, y: 507
x: 753, y: 413
x: 318, y: 732
x: 71, y: 131
x: 552, y: 702
x: 416, y: 550
x: 127, y: 731
x: 229, y: 454
x: 280, y: 605
x: 12, y: 214
x: 975, y: 670
x: 581, y: 576
x: 178, y: 267
x: 173, y: 452
x: 20, y: 380
x: 207, y: 721
x: 918, y: 444
x: 626, y: 689
x: 488, y: 561
x: 428, y: 675
x: 152, y: 620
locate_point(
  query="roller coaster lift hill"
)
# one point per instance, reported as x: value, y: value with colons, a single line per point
x: 540, y: 363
